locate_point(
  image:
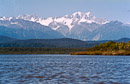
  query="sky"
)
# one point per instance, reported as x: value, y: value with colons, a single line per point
x: 109, y: 9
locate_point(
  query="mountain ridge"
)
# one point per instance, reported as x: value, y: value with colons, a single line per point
x: 68, y: 20
x: 78, y: 25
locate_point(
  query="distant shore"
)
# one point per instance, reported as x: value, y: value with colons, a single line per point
x: 120, y: 52
x: 16, y: 50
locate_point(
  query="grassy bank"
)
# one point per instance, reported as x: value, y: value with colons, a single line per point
x: 14, y: 50
x: 108, y: 48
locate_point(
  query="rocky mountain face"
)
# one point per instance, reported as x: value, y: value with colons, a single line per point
x: 23, y: 29
x: 113, y: 30
x: 83, y: 26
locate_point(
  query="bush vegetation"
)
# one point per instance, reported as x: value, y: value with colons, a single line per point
x: 108, y: 48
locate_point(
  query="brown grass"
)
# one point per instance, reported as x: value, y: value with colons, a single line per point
x: 120, y: 52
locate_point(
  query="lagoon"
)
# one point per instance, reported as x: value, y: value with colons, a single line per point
x: 64, y: 69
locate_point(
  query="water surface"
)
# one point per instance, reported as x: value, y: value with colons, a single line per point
x: 64, y: 69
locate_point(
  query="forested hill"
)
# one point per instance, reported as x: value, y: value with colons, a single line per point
x: 6, y: 39
x: 51, y: 43
x: 46, y: 43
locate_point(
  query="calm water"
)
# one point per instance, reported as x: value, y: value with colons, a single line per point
x: 64, y: 69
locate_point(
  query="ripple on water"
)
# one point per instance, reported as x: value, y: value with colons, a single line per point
x: 58, y: 69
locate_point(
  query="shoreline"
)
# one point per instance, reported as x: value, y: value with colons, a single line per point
x: 113, y: 53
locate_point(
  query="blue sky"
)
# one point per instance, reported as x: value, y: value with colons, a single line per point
x: 110, y: 9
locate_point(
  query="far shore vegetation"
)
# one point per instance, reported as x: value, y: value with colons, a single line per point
x: 108, y: 48
x: 25, y: 50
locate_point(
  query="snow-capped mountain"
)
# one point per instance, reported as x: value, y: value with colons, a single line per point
x: 68, y: 20
x: 23, y: 29
x: 83, y: 26
x: 69, y: 23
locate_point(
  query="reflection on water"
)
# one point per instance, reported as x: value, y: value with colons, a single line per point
x: 64, y: 69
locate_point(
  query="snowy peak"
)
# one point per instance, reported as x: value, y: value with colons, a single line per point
x: 32, y: 18
x: 80, y: 14
x: 37, y: 19
x: 77, y: 14
x: 88, y: 18
x: 5, y: 18
x: 28, y: 17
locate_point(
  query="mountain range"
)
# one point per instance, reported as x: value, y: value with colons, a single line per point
x: 82, y: 26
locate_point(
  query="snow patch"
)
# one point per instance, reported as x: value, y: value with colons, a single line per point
x: 46, y: 22
x: 56, y: 28
x: 97, y: 37
x: 14, y: 22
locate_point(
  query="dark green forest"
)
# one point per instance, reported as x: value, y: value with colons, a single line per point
x: 14, y: 50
